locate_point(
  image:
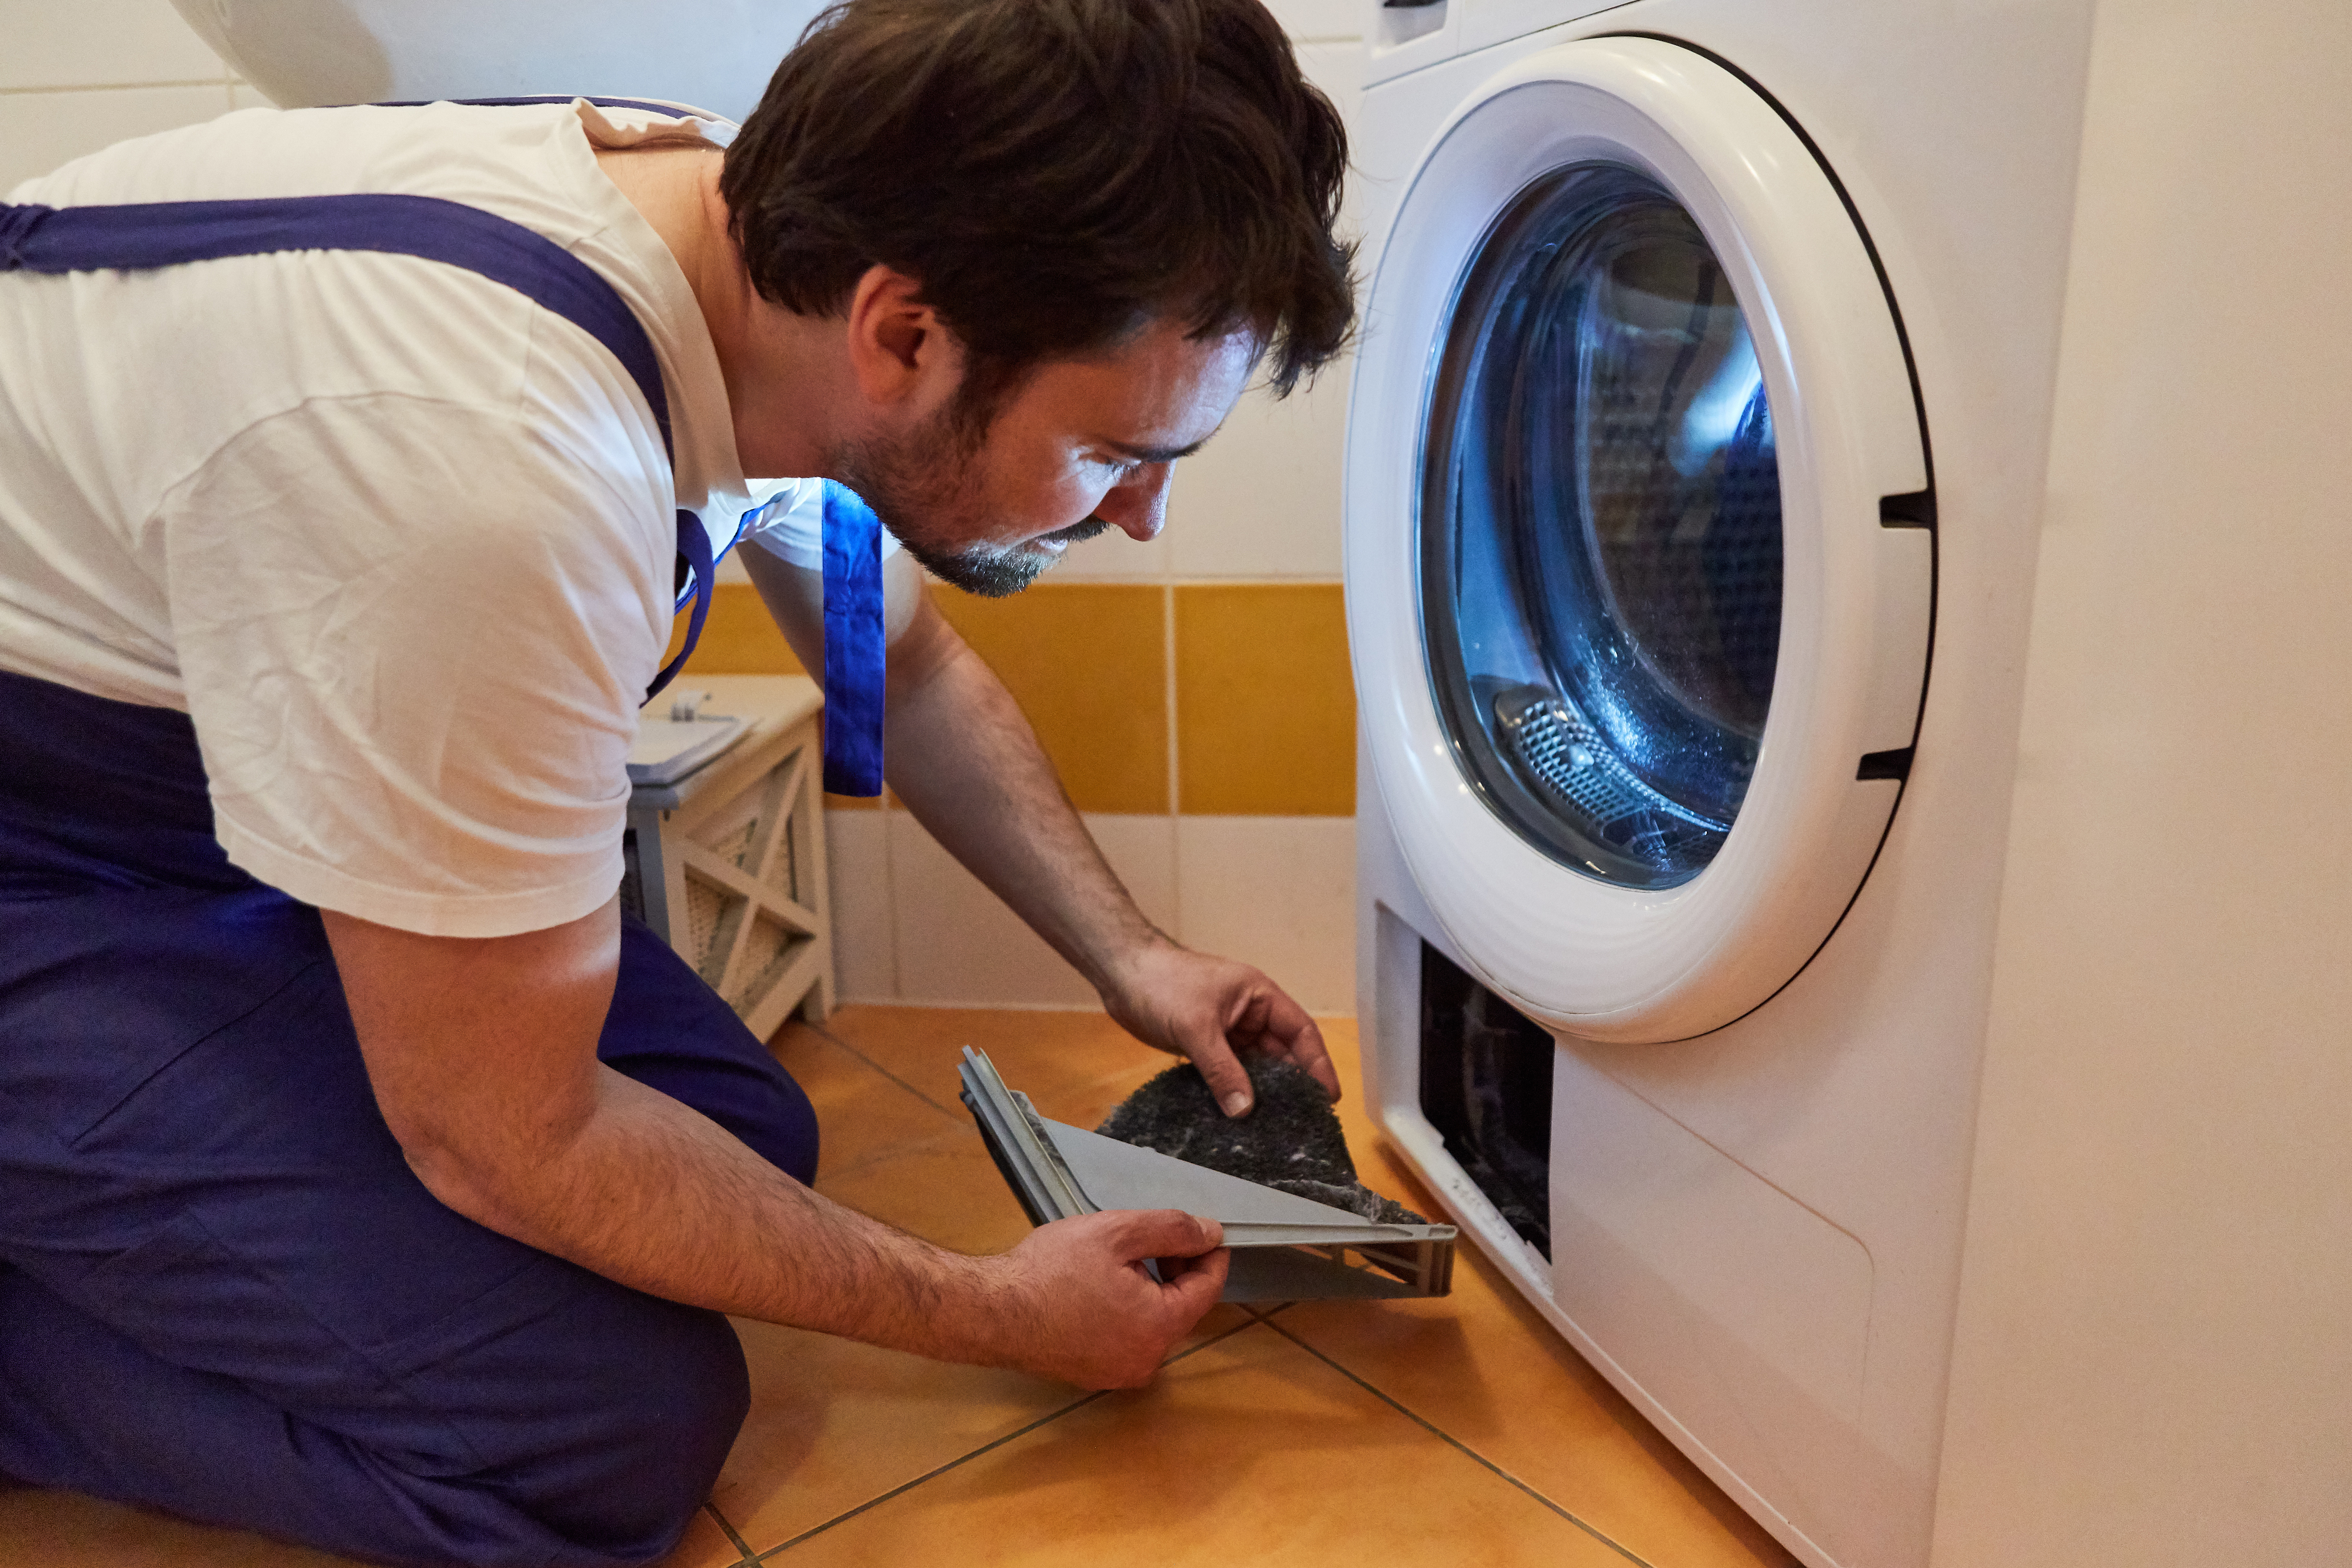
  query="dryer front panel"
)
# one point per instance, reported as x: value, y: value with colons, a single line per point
x: 1640, y: 655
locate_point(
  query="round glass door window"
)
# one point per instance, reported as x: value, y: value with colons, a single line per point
x: 1601, y: 531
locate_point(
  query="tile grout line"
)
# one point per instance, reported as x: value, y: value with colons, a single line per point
x: 889, y: 897
x: 1175, y: 775
x: 1216, y: 1339
x: 906, y: 1486
x: 886, y: 1072
x: 733, y: 1538
x: 231, y: 82
x: 894, y: 1151
x: 1452, y: 1441
x: 1047, y: 1419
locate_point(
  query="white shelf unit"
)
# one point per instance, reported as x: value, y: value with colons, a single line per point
x: 727, y: 864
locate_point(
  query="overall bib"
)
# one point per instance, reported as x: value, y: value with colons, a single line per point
x: 222, y: 1292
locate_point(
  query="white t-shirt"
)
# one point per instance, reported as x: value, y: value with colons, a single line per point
x: 399, y: 541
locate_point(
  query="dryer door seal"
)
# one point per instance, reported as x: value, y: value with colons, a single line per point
x: 1629, y: 401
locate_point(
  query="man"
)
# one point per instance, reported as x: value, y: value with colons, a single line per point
x: 363, y: 1177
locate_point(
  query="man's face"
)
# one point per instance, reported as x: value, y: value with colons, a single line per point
x: 1081, y: 446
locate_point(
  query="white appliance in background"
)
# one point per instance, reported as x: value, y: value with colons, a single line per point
x: 1702, y: 408
x: 713, y: 54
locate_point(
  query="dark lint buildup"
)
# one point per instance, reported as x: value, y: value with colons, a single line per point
x: 1291, y: 1142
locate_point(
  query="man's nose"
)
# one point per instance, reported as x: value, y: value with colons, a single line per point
x: 1138, y: 505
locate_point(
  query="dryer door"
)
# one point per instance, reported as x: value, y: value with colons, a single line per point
x: 1640, y: 637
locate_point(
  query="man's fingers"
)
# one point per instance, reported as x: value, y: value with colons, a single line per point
x: 1167, y: 1233
x: 1223, y: 1071
x: 1286, y: 1028
x: 1317, y: 1062
x: 1306, y: 1048
x: 1197, y: 1282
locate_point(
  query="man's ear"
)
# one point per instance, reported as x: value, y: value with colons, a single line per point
x: 900, y: 354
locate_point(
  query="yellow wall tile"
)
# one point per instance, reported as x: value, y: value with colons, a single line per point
x: 1266, y: 710
x: 1086, y: 661
x: 741, y: 638
x: 738, y: 638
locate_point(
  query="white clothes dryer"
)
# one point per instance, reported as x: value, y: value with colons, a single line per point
x: 1700, y: 411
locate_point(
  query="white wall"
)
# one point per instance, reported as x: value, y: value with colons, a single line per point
x: 2153, y: 1360
x: 76, y: 77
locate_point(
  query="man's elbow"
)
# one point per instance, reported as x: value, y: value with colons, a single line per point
x: 491, y: 1173
x: 439, y: 1155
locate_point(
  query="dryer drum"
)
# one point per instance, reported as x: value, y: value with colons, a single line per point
x: 1602, y: 529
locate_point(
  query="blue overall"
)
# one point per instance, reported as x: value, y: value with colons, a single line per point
x: 222, y: 1291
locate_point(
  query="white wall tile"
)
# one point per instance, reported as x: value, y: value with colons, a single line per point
x: 957, y: 945
x: 93, y: 43
x: 1323, y: 19
x: 1142, y: 853
x: 858, y: 869
x: 40, y: 131
x: 1262, y: 499
x: 244, y: 95
x: 1275, y: 891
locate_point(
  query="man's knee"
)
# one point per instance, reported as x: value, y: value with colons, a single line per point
x: 623, y: 1484
x: 595, y: 1431
x: 586, y: 1437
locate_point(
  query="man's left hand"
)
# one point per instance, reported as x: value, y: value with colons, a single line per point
x: 1208, y: 1008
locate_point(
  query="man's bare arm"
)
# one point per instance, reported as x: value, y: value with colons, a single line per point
x: 482, y: 1056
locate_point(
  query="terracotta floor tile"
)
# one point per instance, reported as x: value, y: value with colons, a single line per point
x: 860, y: 1111
x: 704, y: 1545
x: 1065, y: 1062
x: 946, y: 1189
x: 1248, y: 1451
x: 834, y: 1424
x: 1485, y: 1367
x: 41, y: 1529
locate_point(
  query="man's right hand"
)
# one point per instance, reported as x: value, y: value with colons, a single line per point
x: 1081, y: 1308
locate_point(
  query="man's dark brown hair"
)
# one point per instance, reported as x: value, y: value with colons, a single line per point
x: 1054, y: 174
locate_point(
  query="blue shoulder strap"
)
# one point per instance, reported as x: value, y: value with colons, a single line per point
x: 855, y: 662
x: 36, y: 238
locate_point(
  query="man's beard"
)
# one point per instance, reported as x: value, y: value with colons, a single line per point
x: 926, y: 489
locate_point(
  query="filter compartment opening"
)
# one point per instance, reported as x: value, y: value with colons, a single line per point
x: 1486, y: 1085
